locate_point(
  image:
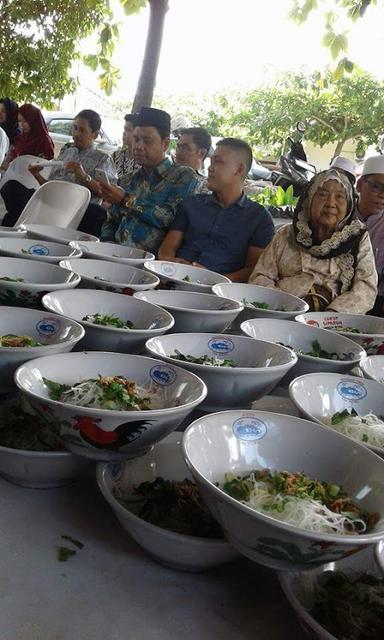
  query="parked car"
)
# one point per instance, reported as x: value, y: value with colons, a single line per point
x: 60, y: 129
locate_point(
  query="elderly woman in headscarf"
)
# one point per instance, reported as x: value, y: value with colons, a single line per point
x: 325, y: 256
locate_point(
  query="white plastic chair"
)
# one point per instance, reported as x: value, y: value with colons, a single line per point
x: 4, y: 144
x: 57, y: 203
x: 18, y: 170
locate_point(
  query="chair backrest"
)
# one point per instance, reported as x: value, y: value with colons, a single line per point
x: 4, y: 144
x: 57, y: 203
x: 18, y: 170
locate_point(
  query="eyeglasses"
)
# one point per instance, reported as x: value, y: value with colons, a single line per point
x: 377, y: 187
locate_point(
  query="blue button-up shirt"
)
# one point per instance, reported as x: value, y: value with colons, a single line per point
x: 219, y: 237
x: 154, y: 200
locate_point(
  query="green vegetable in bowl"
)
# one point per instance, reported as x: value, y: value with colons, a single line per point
x: 115, y: 393
x: 214, y: 361
x: 171, y: 504
x: 11, y: 340
x: 318, y: 352
x: 262, y: 305
x: 8, y: 279
x: 346, y: 329
x: 19, y: 429
x: 106, y: 320
x: 350, y: 607
x: 186, y: 279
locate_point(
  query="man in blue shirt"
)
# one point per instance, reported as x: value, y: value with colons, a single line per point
x: 223, y: 231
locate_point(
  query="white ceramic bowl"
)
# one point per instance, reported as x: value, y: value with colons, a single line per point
x: 111, y: 276
x: 260, y: 365
x: 57, y: 335
x: 175, y: 550
x: 113, y: 252
x: 148, y: 320
x: 301, y: 337
x: 104, y: 434
x: 299, y: 588
x: 198, y: 279
x: 370, y: 328
x: 42, y: 251
x: 37, y: 279
x: 12, y: 232
x: 194, y: 311
x: 36, y: 469
x: 373, y: 367
x: 319, y: 395
x: 56, y: 234
x: 275, y: 298
x: 241, y: 441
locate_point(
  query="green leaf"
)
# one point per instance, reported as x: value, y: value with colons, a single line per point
x: 91, y: 61
x: 280, y: 196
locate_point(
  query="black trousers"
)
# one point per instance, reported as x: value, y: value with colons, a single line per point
x: 16, y: 196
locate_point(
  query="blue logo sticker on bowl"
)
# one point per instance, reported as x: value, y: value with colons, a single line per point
x: 221, y: 345
x: 351, y: 390
x: 163, y: 375
x: 168, y: 269
x: 38, y: 250
x: 249, y: 428
x: 48, y: 326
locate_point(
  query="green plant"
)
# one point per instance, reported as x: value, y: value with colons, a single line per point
x: 271, y: 197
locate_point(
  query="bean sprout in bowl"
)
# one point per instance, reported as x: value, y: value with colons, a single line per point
x: 109, y: 406
x: 291, y: 534
x: 349, y: 405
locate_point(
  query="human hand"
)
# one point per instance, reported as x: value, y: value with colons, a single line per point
x: 35, y: 169
x: 111, y: 192
x: 77, y: 169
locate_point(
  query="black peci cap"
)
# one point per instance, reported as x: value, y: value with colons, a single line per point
x: 148, y: 117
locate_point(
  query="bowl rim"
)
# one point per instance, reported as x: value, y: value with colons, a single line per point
x: 378, y: 450
x: 131, y: 285
x: 43, y: 314
x: 27, y: 453
x: 354, y: 346
x: 222, y: 370
x: 38, y: 229
x: 148, y: 263
x: 148, y: 255
x: 199, y: 293
x: 347, y: 334
x: 299, y: 301
x: 91, y: 325
x: 113, y: 413
x: 101, y: 471
x: 38, y: 285
x: 352, y: 540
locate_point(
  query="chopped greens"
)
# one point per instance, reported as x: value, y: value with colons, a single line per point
x: 261, y: 305
x: 346, y: 329
x: 297, y: 499
x: 106, y: 320
x: 20, y: 429
x: 171, y: 504
x: 75, y: 542
x: 187, y: 279
x: 214, y: 361
x: 318, y: 352
x: 11, y: 340
x: 63, y: 553
x: 350, y: 607
x: 115, y: 393
x: 368, y: 428
x: 8, y: 279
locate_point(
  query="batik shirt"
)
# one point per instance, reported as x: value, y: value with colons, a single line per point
x: 90, y: 159
x: 153, y: 201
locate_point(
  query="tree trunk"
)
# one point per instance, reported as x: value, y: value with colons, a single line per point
x: 339, y: 147
x: 147, y: 79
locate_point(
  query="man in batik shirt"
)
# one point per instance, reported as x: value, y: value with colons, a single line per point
x: 144, y: 209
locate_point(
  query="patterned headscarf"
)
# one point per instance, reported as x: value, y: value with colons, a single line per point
x: 347, y: 235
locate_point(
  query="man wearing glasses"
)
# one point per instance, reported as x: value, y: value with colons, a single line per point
x: 370, y: 209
